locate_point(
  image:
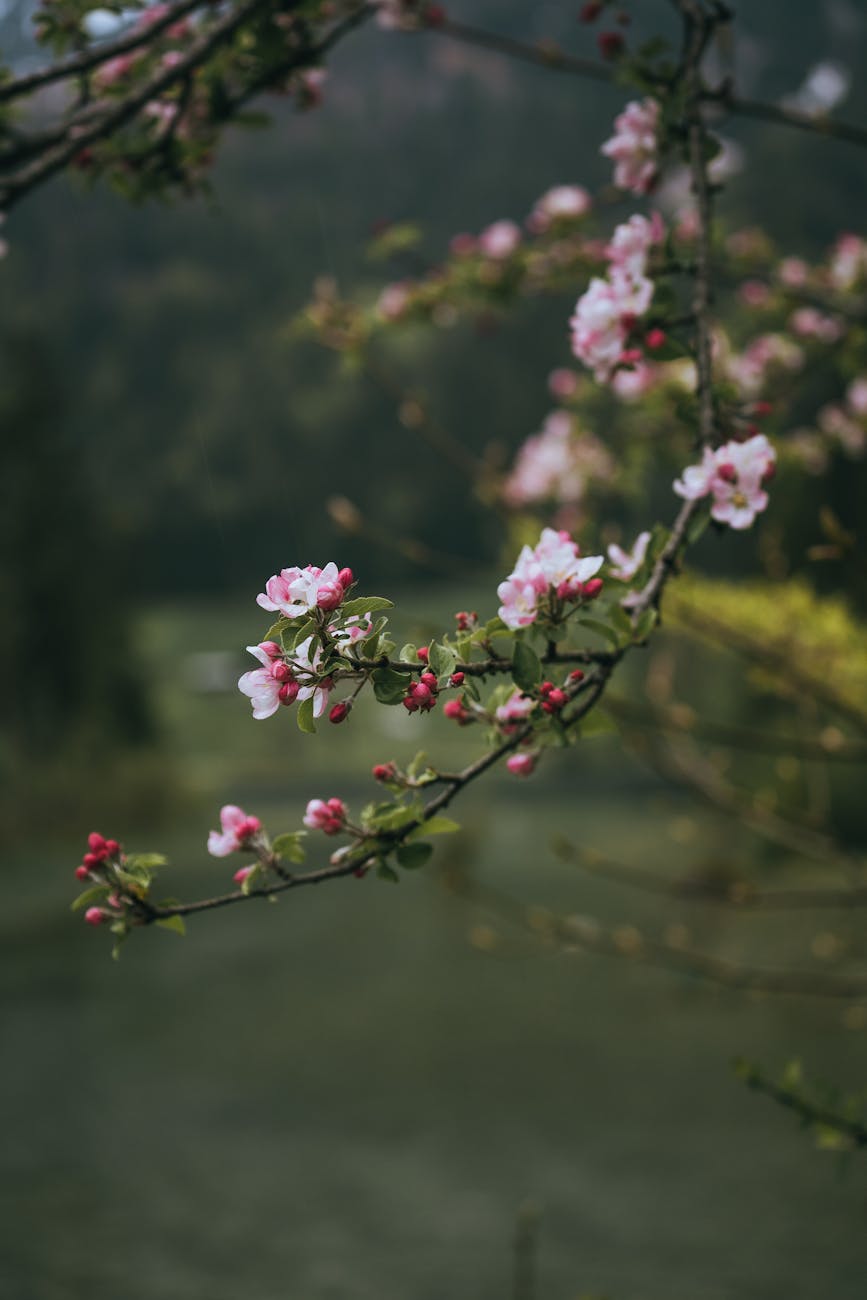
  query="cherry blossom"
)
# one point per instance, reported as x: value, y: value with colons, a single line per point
x: 500, y: 240
x: 552, y: 566
x: 237, y: 831
x: 603, y: 318
x: 282, y: 679
x: 633, y: 148
x: 562, y: 203
x: 734, y: 476
x: 631, y: 243
x: 625, y: 564
x: 326, y: 815
x: 296, y: 591
x: 556, y: 464
x: 515, y: 710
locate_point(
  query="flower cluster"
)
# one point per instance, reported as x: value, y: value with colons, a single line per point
x: 633, y: 147
x: 734, y: 476
x: 298, y: 591
x: 99, y: 866
x: 556, y: 464
x: 607, y: 313
x: 238, y: 830
x: 562, y: 203
x: 328, y: 815
x: 285, y: 677
x: 546, y: 576
x: 421, y: 695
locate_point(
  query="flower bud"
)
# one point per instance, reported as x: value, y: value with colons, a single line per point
x: 92, y: 860
x: 94, y: 916
x: 95, y: 841
x: 271, y: 649
x: 655, y: 339
x: 429, y: 680
x: 630, y: 356
x: 384, y: 771
x: 577, y: 675
x: 281, y: 672
x: 592, y: 588
x: 82, y: 872
x: 329, y: 595
x: 242, y: 873
x: 340, y: 711
x: 727, y: 472
x: 288, y: 692
x: 456, y: 679
x: 423, y: 653
x: 346, y: 578
x: 521, y: 764
x: 112, y: 848
x: 610, y: 45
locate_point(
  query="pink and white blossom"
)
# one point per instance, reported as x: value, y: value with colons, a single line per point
x: 631, y: 243
x: 328, y: 815
x: 562, y: 203
x: 625, y: 564
x: 810, y: 323
x: 557, y: 464
x: 603, y: 319
x: 848, y: 263
x: 516, y: 709
x: 283, y: 679
x: 633, y: 147
x: 500, y: 240
x: 296, y: 591
x: 237, y: 831
x: 552, y: 566
x: 734, y: 475
x: 856, y: 395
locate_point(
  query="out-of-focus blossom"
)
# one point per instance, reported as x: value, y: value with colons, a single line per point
x: 237, y: 831
x: 848, y: 262
x: 556, y: 464
x: 633, y: 147
x: 810, y: 323
x: 625, y: 564
x: 563, y: 203
x: 500, y: 240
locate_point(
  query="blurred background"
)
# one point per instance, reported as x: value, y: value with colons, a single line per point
x: 353, y: 1093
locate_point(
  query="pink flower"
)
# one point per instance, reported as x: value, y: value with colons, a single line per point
x: 563, y: 203
x: 562, y: 383
x: 754, y: 293
x: 631, y: 383
x: 603, y: 319
x: 282, y: 679
x: 328, y: 816
x: 521, y: 764
x: 734, y: 476
x: 556, y: 464
x: 808, y: 322
x: 848, y: 262
x: 296, y: 591
x: 393, y: 301
x: 633, y: 148
x: 95, y: 916
x: 856, y: 395
x: 114, y: 70
x: 242, y: 873
x: 553, y: 565
x: 517, y: 707
x: 500, y: 240
x: 625, y: 564
x: 238, y: 830
x: 631, y: 244
x: 793, y: 272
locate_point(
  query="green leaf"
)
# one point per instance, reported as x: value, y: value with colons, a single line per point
x: 386, y: 872
x: 645, y: 625
x: 526, y: 666
x: 413, y: 855
x: 394, y: 818
x: 93, y: 895
x: 389, y: 686
x: 298, y: 632
x: 698, y: 523
x: 441, y: 660
x: 173, y: 923
x: 254, y: 880
x: 289, y: 847
x: 601, y: 629
x: 304, y: 717
x: 364, y: 605
x: 408, y: 654
x: 276, y: 630
x: 436, y: 826
x: 146, y: 861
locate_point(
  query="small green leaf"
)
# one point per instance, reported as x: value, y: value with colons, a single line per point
x: 385, y: 872
x: 93, y: 895
x: 645, y: 625
x: 436, y: 826
x: 601, y: 629
x: 298, y: 632
x: 698, y: 523
x: 408, y: 654
x: 415, y: 855
x: 441, y: 660
x: 526, y: 666
x: 364, y: 605
x: 289, y: 847
x: 173, y: 923
x: 276, y: 630
x: 389, y: 686
x: 146, y: 861
x: 304, y: 717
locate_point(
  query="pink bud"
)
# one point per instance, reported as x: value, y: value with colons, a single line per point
x: 271, y: 649
x: 592, y: 588
x: 337, y: 806
x: 329, y: 595
x: 409, y: 704
x: 456, y: 679
x: 340, y: 711
x: 727, y: 472
x: 610, y: 44
x: 423, y: 653
x: 655, y: 339
x: 94, y: 916
x: 95, y: 841
x: 576, y: 675
x: 281, y: 672
x: 434, y: 15
x: 112, y: 848
x: 91, y: 860
x: 82, y: 872
x: 242, y: 873
x: 287, y: 692
x: 429, y: 680
x: 761, y: 409
x: 384, y: 771
x: 346, y: 578
x: 421, y: 693
x: 521, y: 764
x: 630, y: 356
